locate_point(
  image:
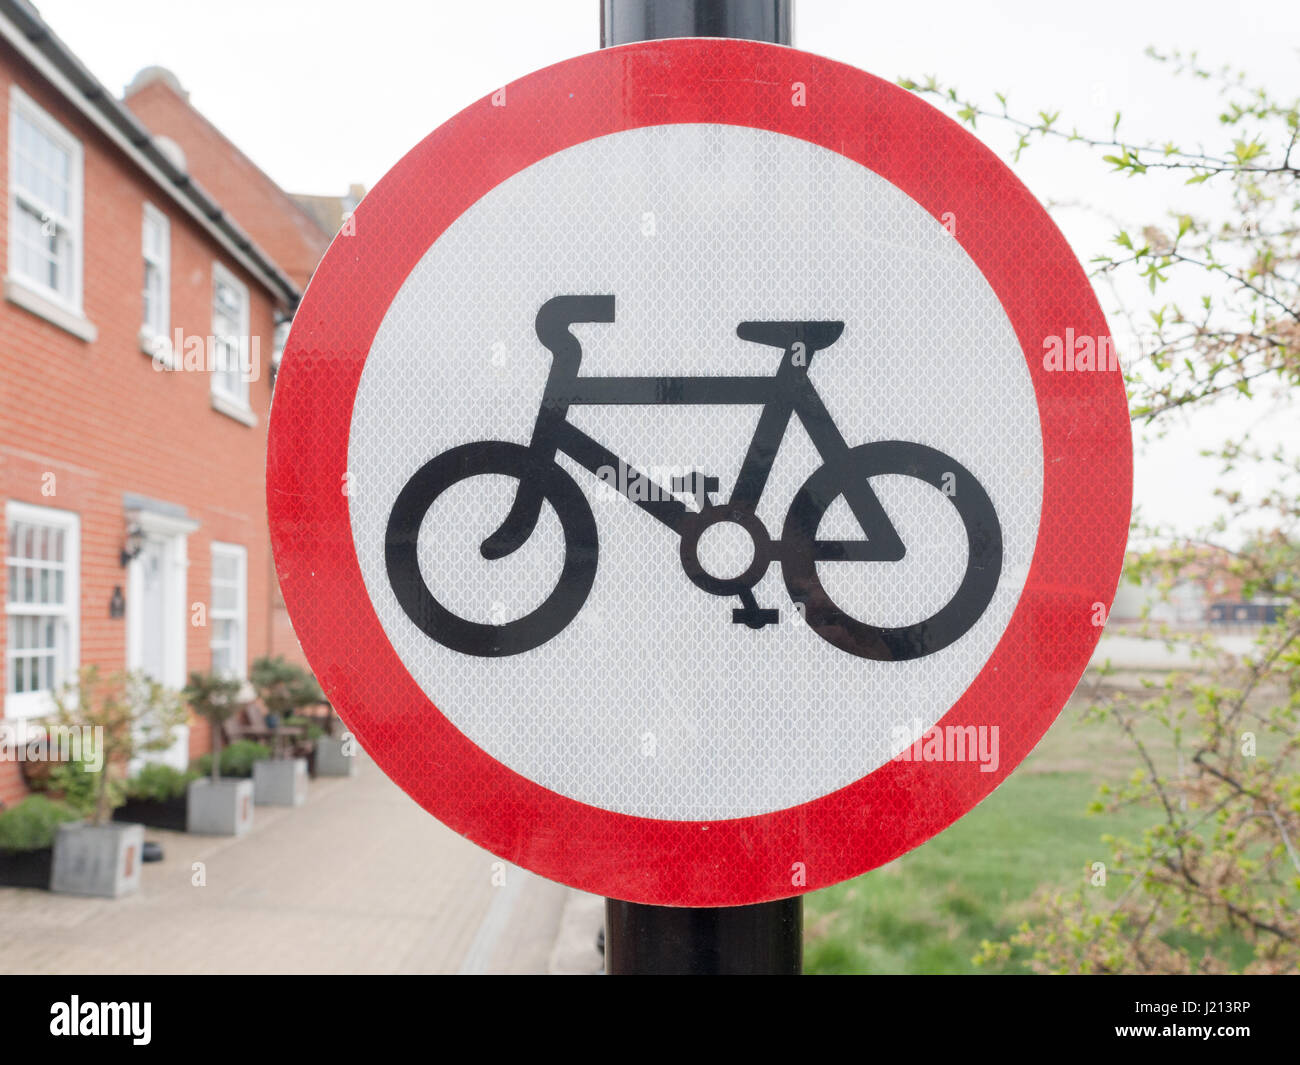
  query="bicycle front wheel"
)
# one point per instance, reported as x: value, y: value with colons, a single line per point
x: 801, y: 553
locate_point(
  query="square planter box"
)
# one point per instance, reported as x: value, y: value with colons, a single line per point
x: 280, y: 781
x: 101, y: 860
x: 26, y: 868
x: 171, y: 815
x: 330, y: 759
x: 221, y: 809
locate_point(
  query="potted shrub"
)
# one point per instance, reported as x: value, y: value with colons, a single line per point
x: 291, y: 690
x: 336, y: 756
x: 75, y: 785
x: 237, y: 760
x: 217, y: 805
x: 27, y: 833
x: 128, y: 714
x: 156, y: 798
x: 283, y: 688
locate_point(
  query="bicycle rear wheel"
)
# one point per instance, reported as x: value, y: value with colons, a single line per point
x: 580, y: 549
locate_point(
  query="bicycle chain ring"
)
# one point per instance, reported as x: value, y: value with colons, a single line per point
x: 714, y: 514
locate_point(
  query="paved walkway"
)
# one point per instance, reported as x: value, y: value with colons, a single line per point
x: 358, y: 880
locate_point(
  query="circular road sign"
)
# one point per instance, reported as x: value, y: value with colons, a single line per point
x: 699, y: 472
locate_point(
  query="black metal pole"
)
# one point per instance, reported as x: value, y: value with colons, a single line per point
x: 625, y: 21
x: 766, y: 939
x: 724, y: 940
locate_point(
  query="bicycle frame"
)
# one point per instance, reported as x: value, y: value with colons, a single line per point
x: 786, y: 393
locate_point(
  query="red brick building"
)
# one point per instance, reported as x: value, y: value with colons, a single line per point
x: 291, y: 229
x: 290, y: 234
x: 137, y: 333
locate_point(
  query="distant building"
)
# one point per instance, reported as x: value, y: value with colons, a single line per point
x: 1259, y: 612
x: 148, y: 268
x: 1205, y: 593
x: 1183, y: 604
x: 331, y: 212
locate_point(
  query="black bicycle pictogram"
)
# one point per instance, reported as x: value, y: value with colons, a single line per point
x: 845, y: 471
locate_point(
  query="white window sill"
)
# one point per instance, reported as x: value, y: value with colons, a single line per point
x: 159, y: 349
x: 26, y: 705
x: 31, y: 299
x: 233, y: 408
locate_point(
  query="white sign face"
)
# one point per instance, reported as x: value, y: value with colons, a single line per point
x: 717, y: 520
x: 649, y: 696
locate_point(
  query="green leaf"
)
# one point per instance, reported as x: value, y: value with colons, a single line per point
x: 1244, y: 152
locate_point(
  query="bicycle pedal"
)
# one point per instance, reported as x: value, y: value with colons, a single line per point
x: 755, y: 617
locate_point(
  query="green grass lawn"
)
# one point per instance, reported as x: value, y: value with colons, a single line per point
x: 928, y: 911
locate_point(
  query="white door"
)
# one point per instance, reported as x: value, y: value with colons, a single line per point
x: 154, y: 635
x: 156, y: 621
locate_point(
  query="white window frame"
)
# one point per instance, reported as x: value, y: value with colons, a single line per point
x: 18, y: 705
x: 234, y: 403
x: 155, y: 335
x: 67, y: 302
x: 239, y: 648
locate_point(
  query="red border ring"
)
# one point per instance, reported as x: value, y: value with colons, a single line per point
x: 1087, y: 480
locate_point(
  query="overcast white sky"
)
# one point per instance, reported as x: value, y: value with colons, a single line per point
x: 322, y: 94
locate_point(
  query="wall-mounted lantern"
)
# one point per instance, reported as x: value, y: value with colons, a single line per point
x: 134, y: 543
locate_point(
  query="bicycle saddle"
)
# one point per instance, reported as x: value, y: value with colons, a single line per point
x: 813, y: 335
